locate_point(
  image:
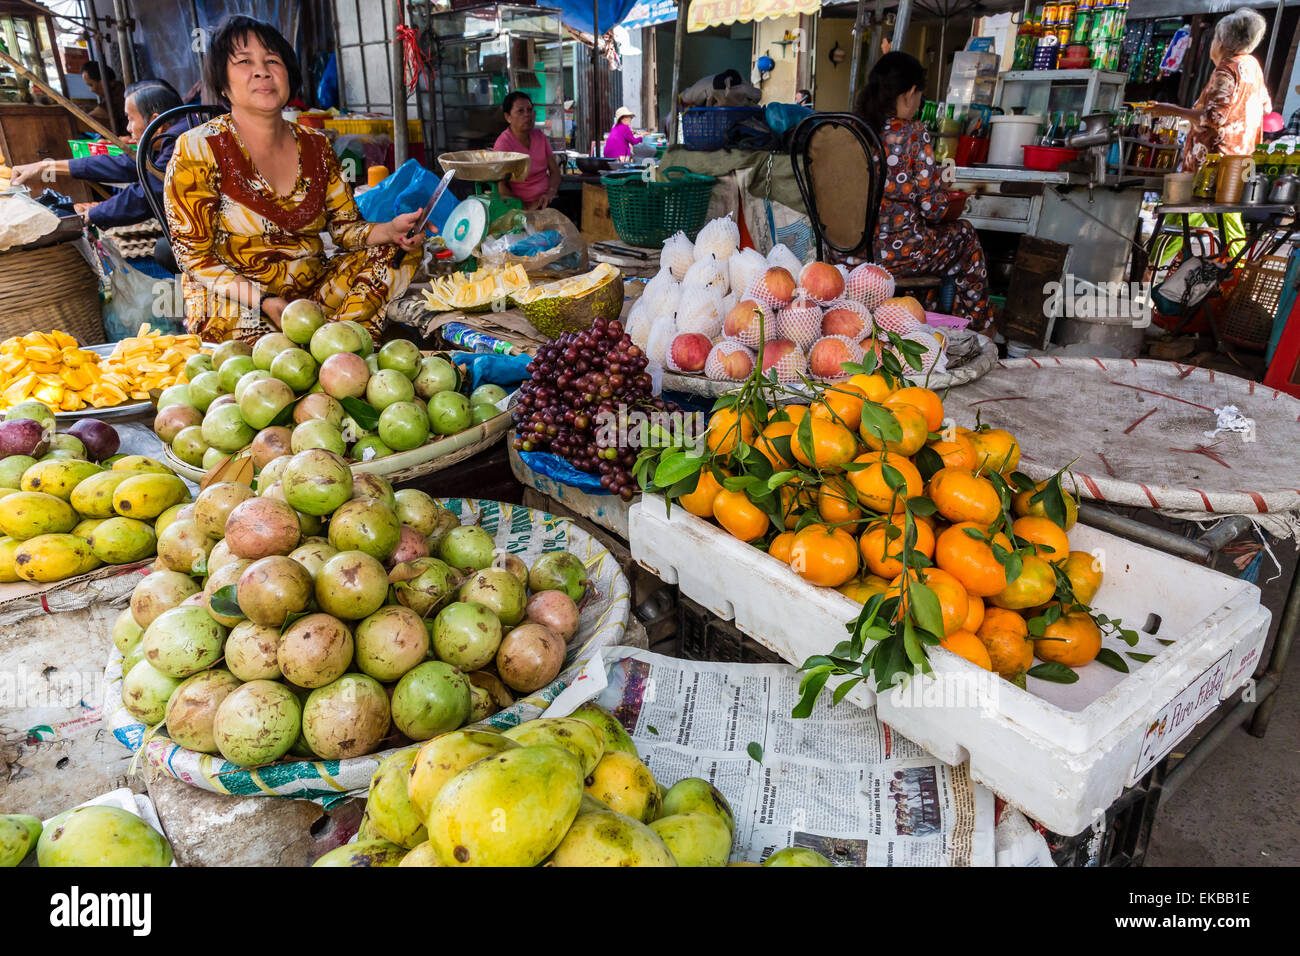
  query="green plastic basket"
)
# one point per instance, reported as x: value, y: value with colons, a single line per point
x: 647, y: 213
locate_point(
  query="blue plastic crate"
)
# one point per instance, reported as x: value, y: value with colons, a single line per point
x: 705, y: 127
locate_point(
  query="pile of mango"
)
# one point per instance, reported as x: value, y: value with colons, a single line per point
x: 50, y: 368
x: 63, y: 517
x: 93, y: 835
x: 565, y: 791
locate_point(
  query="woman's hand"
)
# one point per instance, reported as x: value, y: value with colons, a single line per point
x: 394, y: 232
x: 28, y: 171
x: 82, y: 209
x: 273, y: 307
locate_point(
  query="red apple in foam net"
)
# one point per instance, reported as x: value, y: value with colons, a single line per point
x: 729, y: 361
x: 774, y: 287
x: 850, y: 319
x: 869, y: 284
x: 828, y: 356
x: 901, y: 314
x: 690, y: 351
x: 822, y: 281
x: 800, y: 321
x: 784, y: 356
x: 748, y: 322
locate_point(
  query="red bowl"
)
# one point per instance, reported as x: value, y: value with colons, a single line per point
x: 1048, y: 159
x: 956, y: 204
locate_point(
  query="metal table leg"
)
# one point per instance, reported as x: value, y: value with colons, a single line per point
x: 1272, y: 676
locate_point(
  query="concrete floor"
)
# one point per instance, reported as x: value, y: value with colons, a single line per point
x: 1238, y: 807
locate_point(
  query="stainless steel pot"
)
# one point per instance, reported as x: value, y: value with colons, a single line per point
x: 1255, y: 190
x: 1286, y: 189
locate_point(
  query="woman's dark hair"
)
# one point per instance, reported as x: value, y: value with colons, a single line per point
x: 152, y: 97
x: 99, y: 72
x: 511, y: 99
x: 894, y: 74
x: 232, y: 34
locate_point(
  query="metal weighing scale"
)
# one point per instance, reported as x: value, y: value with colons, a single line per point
x: 486, y: 169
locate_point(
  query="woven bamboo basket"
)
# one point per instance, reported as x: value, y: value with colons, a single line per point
x: 48, y: 289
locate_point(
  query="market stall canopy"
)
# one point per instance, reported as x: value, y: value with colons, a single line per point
x: 717, y: 13
x: 578, y: 14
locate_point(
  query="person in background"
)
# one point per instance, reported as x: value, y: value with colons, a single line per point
x: 1228, y: 117
x: 521, y: 135
x: 248, y: 195
x: 103, y: 82
x: 910, y: 238
x: 804, y: 98
x: 145, y: 101
x: 621, y: 139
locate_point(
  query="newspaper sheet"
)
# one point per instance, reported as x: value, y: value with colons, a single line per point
x: 839, y: 782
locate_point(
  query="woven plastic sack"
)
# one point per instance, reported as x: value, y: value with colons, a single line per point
x: 677, y: 255
x: 519, y: 531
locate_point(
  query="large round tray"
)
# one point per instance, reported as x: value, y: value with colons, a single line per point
x: 979, y: 356
x: 125, y: 410
x: 486, y: 165
x: 1134, y: 431
x: 520, y: 531
x: 403, y: 465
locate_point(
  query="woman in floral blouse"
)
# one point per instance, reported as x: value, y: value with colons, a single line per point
x: 1228, y: 117
x: 910, y: 238
x: 249, y: 194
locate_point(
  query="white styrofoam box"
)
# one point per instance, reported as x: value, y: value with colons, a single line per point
x: 1060, y: 752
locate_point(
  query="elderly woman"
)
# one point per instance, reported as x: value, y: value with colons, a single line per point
x: 145, y: 101
x: 521, y: 135
x: 249, y: 194
x: 910, y: 238
x: 1228, y: 117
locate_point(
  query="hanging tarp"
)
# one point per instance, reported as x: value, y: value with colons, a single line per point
x: 717, y: 13
x: 579, y: 14
x: 649, y: 13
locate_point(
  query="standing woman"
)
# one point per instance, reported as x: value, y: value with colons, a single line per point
x: 910, y: 239
x: 249, y: 194
x: 521, y: 135
x: 1228, y: 117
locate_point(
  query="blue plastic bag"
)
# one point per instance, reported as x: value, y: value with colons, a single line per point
x: 487, y: 368
x: 783, y: 117
x: 560, y: 470
x: 405, y: 190
x: 327, y: 90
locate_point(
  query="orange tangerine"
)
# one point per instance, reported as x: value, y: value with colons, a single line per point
x: 1023, y: 507
x: 1035, y: 585
x: 1048, y: 539
x: 996, y: 449
x: 794, y: 413
x: 1084, y: 572
x: 841, y: 403
x: 1072, y: 639
x: 766, y: 443
x: 824, y: 556
x: 1001, y: 619
x: 910, y: 419
x: 959, y: 452
x: 1010, y: 652
x: 835, y: 501
x: 873, y: 386
x: 833, y: 445
x: 863, y: 589
x: 971, y: 560
x: 954, y: 603
x: 795, y: 500
x: 874, y: 492
x: 967, y: 645
x: 884, y: 555
x: 930, y: 404
x: 974, y: 613
x: 727, y: 428
x: 961, y: 496
x: 739, y: 515
x: 700, y: 501
x: 780, y: 546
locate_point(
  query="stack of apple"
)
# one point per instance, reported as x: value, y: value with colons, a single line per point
x: 316, y: 384
x: 812, y: 323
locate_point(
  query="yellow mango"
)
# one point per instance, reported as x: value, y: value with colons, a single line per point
x: 58, y: 477
x: 8, y: 573
x: 123, y: 540
x: 53, y: 557
x: 167, y: 517
x: 30, y: 513
x: 624, y: 784
x: 93, y: 497
x: 86, y: 528
x: 584, y: 741
x: 141, y: 463
x: 443, y: 757
x: 604, y: 838
x: 148, y: 496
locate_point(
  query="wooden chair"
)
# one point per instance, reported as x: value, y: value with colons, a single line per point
x: 839, y: 166
x: 147, y: 168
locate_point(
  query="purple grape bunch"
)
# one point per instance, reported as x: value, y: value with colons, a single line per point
x: 582, y: 384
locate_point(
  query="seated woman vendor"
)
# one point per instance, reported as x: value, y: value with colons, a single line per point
x: 539, y: 189
x: 129, y: 205
x: 910, y: 239
x: 249, y: 194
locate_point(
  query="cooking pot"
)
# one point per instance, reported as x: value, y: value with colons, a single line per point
x: 1009, y: 137
x: 1255, y: 190
x: 1286, y: 189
